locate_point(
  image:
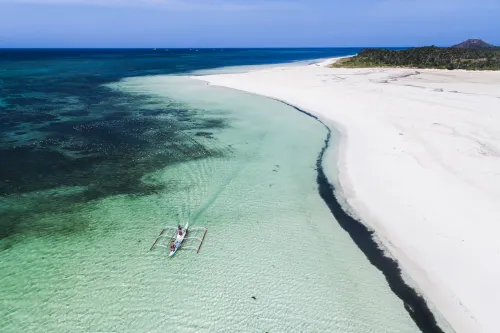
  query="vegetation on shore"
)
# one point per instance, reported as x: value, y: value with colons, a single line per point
x: 472, y: 58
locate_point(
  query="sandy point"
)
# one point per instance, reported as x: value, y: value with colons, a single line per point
x: 419, y: 163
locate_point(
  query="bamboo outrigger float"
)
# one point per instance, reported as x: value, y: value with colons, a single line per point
x: 177, y: 239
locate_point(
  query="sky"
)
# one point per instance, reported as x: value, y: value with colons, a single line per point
x: 246, y: 23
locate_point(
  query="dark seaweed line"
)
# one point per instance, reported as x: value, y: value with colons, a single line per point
x: 363, y: 237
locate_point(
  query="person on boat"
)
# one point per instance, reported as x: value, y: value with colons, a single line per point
x: 179, y: 230
x: 172, y: 246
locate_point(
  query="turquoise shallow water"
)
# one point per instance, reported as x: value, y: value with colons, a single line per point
x: 274, y: 260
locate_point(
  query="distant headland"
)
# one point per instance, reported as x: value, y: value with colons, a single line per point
x: 473, y: 44
x: 472, y: 54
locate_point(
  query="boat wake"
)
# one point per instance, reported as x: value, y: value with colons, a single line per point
x: 223, y: 185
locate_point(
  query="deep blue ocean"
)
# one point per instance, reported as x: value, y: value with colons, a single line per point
x: 60, y: 125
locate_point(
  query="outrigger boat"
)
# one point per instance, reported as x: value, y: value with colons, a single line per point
x: 176, y: 240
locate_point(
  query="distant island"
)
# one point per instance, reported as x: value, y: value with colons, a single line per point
x: 473, y: 44
x: 473, y: 54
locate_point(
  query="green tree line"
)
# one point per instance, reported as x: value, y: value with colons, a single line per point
x: 427, y: 57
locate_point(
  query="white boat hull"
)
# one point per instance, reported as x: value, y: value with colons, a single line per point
x: 179, y: 239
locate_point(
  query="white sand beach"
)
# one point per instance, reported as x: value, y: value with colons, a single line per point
x: 419, y: 163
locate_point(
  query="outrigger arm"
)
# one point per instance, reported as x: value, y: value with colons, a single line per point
x: 175, y: 234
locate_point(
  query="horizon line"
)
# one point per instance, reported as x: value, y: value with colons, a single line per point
x: 207, y: 48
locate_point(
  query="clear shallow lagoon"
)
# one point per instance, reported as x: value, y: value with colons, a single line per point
x: 94, y: 181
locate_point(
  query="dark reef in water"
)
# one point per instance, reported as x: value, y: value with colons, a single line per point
x: 364, y: 239
x: 93, y: 138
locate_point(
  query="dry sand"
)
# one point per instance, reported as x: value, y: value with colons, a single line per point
x: 419, y: 163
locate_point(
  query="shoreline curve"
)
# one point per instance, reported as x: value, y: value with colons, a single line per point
x: 415, y: 304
